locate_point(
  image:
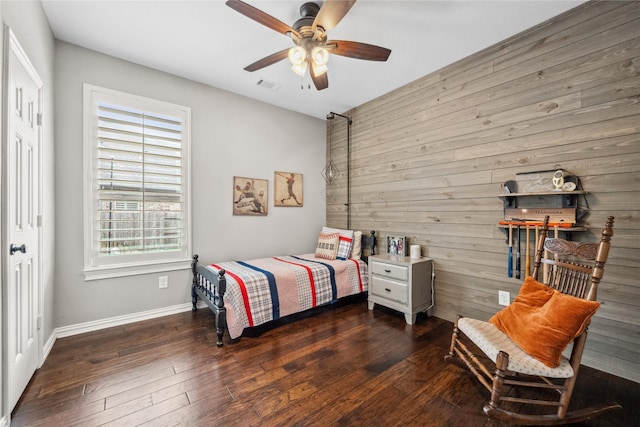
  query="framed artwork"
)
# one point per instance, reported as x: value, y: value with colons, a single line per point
x: 287, y: 188
x: 396, y: 245
x: 250, y: 196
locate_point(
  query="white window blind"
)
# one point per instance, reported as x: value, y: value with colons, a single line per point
x: 140, y: 185
x: 139, y: 190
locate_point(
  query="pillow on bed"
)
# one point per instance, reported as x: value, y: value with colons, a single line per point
x: 327, y: 247
x: 356, y: 250
x: 346, y: 241
x: 543, y: 321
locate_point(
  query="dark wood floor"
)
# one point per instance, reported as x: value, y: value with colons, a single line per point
x: 343, y: 366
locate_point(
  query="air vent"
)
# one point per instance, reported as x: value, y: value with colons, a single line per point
x: 268, y: 85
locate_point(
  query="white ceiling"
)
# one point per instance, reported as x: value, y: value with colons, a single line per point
x: 208, y: 42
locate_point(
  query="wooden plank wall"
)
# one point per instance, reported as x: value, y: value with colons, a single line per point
x: 428, y: 159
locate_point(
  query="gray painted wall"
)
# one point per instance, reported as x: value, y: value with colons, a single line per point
x: 231, y: 135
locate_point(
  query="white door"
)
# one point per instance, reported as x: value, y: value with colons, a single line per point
x: 23, y: 90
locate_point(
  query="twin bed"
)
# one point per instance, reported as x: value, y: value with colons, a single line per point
x: 244, y: 294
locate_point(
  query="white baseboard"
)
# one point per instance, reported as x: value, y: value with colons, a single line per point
x: 46, y: 349
x: 96, y: 325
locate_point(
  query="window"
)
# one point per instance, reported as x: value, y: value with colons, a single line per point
x: 136, y: 184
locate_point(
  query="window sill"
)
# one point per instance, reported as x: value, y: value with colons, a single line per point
x: 122, y: 270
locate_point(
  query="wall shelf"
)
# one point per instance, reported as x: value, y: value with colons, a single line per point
x: 560, y: 206
x: 543, y: 193
x: 571, y: 229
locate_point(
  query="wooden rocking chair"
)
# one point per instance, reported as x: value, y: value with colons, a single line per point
x: 521, y: 386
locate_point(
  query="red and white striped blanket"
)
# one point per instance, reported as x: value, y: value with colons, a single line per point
x: 265, y: 289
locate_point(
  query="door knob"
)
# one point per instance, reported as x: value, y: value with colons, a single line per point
x: 13, y: 249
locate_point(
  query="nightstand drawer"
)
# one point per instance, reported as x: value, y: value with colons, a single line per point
x: 398, y: 272
x: 389, y: 289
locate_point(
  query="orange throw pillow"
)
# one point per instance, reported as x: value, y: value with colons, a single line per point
x: 543, y: 321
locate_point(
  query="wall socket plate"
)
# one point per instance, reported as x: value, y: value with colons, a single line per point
x: 163, y: 282
x: 504, y: 298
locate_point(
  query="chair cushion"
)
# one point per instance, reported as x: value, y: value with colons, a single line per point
x: 543, y: 321
x: 491, y: 340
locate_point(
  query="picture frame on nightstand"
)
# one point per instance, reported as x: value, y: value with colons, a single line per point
x: 397, y: 245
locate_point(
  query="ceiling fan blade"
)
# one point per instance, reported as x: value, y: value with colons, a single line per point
x: 359, y: 50
x: 261, y: 17
x: 319, y: 81
x: 268, y: 60
x: 331, y: 13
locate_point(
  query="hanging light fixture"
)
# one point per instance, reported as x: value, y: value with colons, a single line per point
x: 330, y: 172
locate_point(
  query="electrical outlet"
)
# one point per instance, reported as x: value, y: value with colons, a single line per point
x: 163, y: 282
x: 504, y: 298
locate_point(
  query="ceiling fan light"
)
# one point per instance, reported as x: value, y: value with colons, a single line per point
x: 320, y: 55
x: 297, y: 55
x: 319, y: 70
x: 299, y: 69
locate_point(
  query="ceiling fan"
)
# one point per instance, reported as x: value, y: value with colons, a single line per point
x: 309, y: 35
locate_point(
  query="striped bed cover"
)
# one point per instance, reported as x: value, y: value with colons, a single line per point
x: 265, y: 289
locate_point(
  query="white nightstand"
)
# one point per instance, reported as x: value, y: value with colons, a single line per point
x: 400, y: 283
